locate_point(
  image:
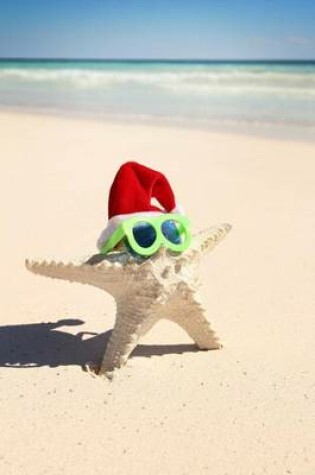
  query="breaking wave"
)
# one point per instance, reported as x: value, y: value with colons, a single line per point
x: 200, y: 82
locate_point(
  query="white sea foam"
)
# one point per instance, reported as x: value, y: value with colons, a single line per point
x: 190, y: 82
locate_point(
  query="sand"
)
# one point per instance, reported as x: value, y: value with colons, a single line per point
x: 245, y: 409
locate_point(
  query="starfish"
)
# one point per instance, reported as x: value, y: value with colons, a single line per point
x: 163, y: 286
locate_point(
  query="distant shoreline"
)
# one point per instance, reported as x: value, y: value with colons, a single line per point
x: 261, y: 131
x: 258, y: 97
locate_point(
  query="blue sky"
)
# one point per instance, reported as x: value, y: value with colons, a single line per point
x: 183, y: 29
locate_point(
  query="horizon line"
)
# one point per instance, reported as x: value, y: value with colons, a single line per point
x: 35, y: 58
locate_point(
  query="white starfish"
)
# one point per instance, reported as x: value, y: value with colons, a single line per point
x: 163, y: 286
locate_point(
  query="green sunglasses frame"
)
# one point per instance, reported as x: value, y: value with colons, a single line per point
x: 126, y: 227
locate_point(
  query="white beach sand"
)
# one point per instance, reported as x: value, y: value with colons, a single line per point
x: 245, y: 409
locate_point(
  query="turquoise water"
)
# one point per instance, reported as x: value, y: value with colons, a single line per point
x: 251, y: 95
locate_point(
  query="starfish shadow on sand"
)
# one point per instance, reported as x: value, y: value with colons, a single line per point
x: 48, y: 344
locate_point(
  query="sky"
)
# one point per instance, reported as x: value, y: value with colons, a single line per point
x: 158, y: 29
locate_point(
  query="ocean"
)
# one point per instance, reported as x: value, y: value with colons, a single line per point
x: 264, y: 97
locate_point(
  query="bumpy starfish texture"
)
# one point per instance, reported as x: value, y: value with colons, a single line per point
x: 163, y: 286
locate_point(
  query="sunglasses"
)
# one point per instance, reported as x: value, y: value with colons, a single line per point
x: 145, y: 235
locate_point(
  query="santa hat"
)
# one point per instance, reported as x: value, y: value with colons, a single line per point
x: 133, y: 188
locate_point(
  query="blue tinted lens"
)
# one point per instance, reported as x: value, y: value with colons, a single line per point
x: 171, y: 230
x: 131, y: 251
x: 144, y: 234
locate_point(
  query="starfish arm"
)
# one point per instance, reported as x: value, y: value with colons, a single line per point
x: 130, y: 326
x: 107, y: 276
x: 206, y: 240
x: 189, y: 314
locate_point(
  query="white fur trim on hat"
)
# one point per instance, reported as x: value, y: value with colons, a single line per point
x: 178, y: 209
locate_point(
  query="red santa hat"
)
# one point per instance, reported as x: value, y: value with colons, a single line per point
x: 131, y: 194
